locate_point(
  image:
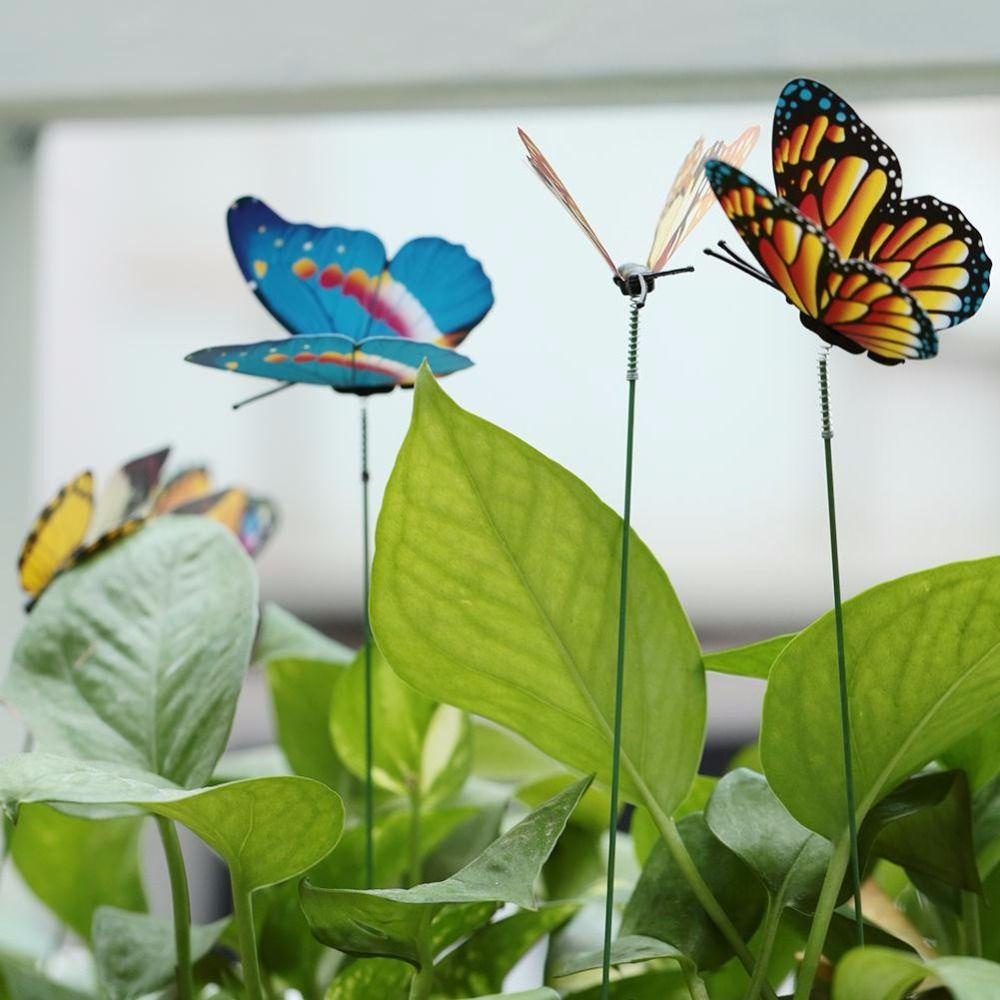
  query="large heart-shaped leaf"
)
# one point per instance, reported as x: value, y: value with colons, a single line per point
x: 495, y: 588
x: 246, y: 822
x: 138, y: 655
x: 628, y: 950
x: 663, y: 906
x: 923, y: 662
x: 886, y: 974
x: 75, y: 865
x: 396, y: 923
x: 135, y: 953
x: 23, y: 980
x: 977, y: 753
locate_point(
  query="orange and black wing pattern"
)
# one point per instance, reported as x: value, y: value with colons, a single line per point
x: 841, y: 175
x: 183, y: 487
x: 850, y: 303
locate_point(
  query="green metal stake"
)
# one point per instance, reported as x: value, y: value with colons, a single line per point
x: 369, y: 751
x: 631, y: 376
x: 845, y: 711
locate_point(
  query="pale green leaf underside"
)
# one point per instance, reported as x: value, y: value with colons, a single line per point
x: 887, y: 974
x: 495, y: 588
x: 246, y: 822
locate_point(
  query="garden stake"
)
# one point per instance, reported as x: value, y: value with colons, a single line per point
x: 845, y: 711
x: 631, y: 377
x: 369, y: 794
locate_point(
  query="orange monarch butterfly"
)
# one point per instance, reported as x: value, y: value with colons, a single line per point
x: 867, y: 269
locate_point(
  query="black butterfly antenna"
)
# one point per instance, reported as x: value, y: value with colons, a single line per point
x: 263, y: 395
x: 735, y: 260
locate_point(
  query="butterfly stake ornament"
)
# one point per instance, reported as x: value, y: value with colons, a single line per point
x: 74, y: 526
x: 359, y: 323
x: 687, y: 202
x: 867, y: 270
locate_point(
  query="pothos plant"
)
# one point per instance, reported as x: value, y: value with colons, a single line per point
x: 494, y: 608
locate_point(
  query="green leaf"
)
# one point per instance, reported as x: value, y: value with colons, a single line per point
x: 540, y: 993
x: 923, y: 662
x: 26, y: 982
x: 591, y: 813
x: 661, y: 984
x: 624, y: 951
x: 500, y: 755
x: 395, y: 923
x: 135, y: 952
x: 344, y: 868
x: 482, y: 962
x: 250, y: 762
x: 75, y: 865
x: 426, y: 746
x: 374, y: 977
x: 301, y: 695
x: 884, y: 974
x: 978, y: 754
x: 283, y: 636
x: 753, y: 660
x: 138, y: 655
x: 663, y: 906
x: 246, y: 822
x: 503, y: 600
x: 790, y: 860
x: 925, y: 825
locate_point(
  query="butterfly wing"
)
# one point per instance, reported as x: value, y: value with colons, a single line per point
x: 128, y: 494
x: 371, y: 365
x: 551, y: 180
x: 102, y: 542
x: 690, y: 196
x: 184, y: 486
x: 259, y: 521
x: 433, y: 291
x: 311, y: 279
x: 225, y: 506
x: 848, y: 302
x: 934, y: 252
x: 56, y: 534
x: 830, y: 166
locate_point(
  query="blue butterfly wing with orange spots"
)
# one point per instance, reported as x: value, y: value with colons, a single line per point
x: 311, y: 279
x: 836, y: 171
x: 433, y: 291
x: 372, y: 364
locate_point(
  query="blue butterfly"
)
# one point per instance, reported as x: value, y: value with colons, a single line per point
x: 363, y: 324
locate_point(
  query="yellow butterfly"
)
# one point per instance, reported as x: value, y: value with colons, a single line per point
x: 72, y: 527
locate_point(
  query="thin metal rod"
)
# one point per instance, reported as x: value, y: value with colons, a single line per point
x: 838, y: 613
x: 631, y: 376
x: 369, y: 741
x: 263, y: 395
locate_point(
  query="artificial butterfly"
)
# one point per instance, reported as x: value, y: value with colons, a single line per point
x: 687, y: 201
x: 252, y: 519
x: 360, y: 323
x: 867, y: 269
x: 73, y: 527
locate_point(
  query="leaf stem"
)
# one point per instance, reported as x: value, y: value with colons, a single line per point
x: 971, y: 924
x: 702, y: 891
x: 422, y: 982
x: 243, y: 915
x: 694, y: 983
x: 181, y: 904
x: 413, y: 873
x: 825, y: 906
x: 772, y: 918
x: 838, y: 612
x: 631, y: 376
x: 366, y: 586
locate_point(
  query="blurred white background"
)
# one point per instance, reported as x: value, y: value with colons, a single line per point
x: 135, y: 271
